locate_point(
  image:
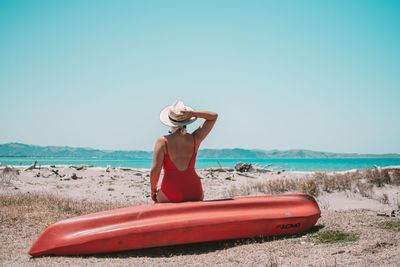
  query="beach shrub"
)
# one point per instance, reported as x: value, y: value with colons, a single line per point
x: 385, y: 176
x: 10, y: 170
x: 323, y: 179
x: 384, y: 199
x: 363, y: 188
x: 355, y: 176
x: 277, y: 186
x: 395, y: 177
x: 392, y: 225
x: 355, y: 181
x: 377, y: 177
x: 6, y: 175
x: 331, y: 183
x: 309, y: 186
x: 334, y: 236
x: 343, y: 182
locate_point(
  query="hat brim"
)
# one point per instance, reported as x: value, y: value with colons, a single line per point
x: 164, y: 118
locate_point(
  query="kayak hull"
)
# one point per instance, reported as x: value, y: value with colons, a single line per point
x: 168, y: 224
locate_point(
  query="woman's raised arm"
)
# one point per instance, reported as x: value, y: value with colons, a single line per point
x: 210, y: 119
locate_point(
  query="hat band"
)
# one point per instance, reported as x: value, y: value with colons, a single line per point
x: 176, y: 120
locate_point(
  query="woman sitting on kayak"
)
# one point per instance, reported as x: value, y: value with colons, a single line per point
x: 176, y: 153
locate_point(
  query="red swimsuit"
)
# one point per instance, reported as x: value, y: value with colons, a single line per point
x: 179, y: 185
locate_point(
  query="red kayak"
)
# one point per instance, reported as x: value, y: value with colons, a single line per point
x: 167, y: 224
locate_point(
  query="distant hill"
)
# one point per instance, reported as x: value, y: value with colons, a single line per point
x: 23, y: 150
x: 281, y: 154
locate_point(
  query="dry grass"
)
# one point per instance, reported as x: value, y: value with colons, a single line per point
x: 395, y: 177
x: 27, y: 215
x: 24, y: 217
x: 376, y: 177
x: 384, y: 199
x: 6, y: 175
x: 52, y: 205
x: 309, y: 186
x: 357, y: 182
x: 363, y: 188
x: 277, y: 186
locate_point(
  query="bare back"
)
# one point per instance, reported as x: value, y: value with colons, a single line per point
x: 180, y: 150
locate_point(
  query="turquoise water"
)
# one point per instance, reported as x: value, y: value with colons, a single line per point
x: 287, y: 164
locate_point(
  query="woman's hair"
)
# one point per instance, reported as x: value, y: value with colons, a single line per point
x: 180, y: 128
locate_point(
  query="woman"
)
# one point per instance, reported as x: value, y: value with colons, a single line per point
x: 176, y: 153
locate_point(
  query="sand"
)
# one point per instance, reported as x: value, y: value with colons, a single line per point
x: 346, y: 210
x: 132, y: 185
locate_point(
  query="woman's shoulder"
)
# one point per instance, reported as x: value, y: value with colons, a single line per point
x: 161, y: 140
x: 188, y: 137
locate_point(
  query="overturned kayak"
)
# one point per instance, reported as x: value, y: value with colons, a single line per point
x: 167, y: 224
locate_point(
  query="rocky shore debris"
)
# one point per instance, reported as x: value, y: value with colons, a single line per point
x: 394, y: 213
x: 249, y: 167
x: 80, y: 167
x: 125, y: 169
x: 108, y: 169
x: 243, y: 167
x: 73, y: 176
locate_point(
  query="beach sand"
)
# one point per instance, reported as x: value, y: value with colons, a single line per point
x: 353, y: 208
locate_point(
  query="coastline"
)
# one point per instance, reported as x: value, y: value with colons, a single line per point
x: 292, y: 164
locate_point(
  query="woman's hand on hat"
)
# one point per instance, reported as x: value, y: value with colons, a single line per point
x: 185, y: 115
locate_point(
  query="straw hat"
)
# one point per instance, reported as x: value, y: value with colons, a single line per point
x: 168, y: 114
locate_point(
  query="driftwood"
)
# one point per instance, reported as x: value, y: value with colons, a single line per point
x: 33, y: 166
x: 246, y: 175
x: 267, y: 165
x: 394, y: 213
x: 260, y: 169
x: 125, y: 169
x: 387, y: 168
x: 222, y: 169
x: 377, y: 168
x: 391, y: 168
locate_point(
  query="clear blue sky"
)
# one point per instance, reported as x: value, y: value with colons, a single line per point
x: 320, y: 75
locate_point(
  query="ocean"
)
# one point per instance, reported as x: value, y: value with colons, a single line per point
x: 337, y: 164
